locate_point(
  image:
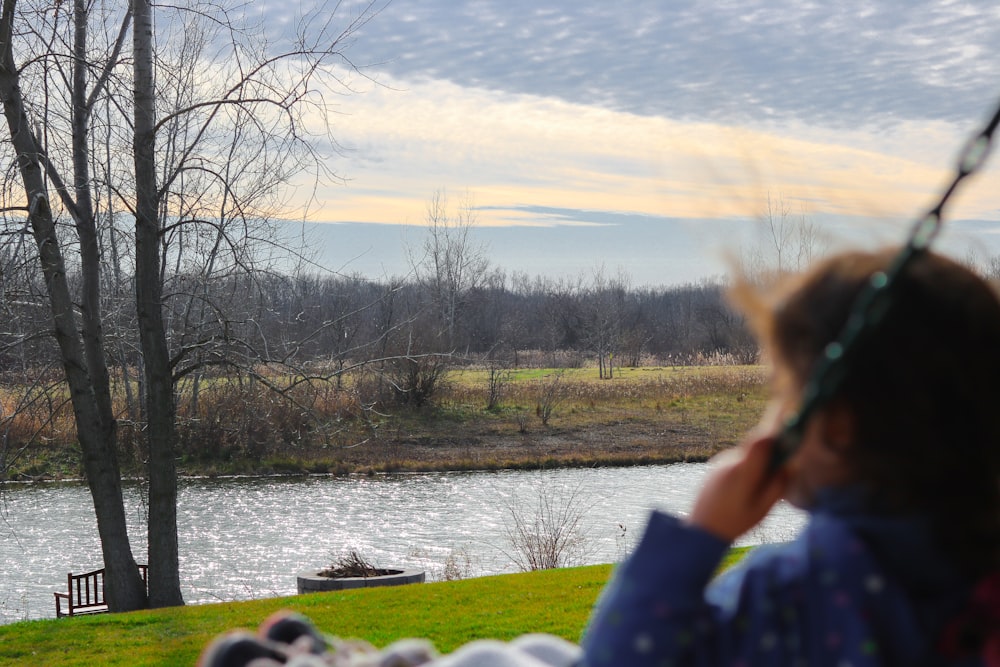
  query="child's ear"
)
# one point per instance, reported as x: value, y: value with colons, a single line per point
x: 839, y: 427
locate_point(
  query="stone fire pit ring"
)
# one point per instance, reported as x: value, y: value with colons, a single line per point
x: 311, y: 582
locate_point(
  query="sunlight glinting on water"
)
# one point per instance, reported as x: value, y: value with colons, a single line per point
x: 248, y: 537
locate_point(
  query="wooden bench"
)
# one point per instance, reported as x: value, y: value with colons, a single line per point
x: 85, y: 593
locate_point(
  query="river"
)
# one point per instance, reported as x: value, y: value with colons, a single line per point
x: 243, y: 538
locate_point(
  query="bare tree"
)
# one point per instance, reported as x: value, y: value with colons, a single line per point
x: 605, y: 314
x: 80, y: 344
x: 252, y: 110
x: 810, y: 242
x: 779, y: 231
x: 164, y: 569
x: 452, y: 263
x: 788, y: 242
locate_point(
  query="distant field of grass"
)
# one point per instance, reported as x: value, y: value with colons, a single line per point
x: 450, y: 614
x: 641, y: 415
x: 656, y: 388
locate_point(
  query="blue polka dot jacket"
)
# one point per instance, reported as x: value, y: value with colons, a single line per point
x: 853, y: 590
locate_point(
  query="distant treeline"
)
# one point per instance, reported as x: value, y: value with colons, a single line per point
x: 263, y: 362
x: 339, y: 322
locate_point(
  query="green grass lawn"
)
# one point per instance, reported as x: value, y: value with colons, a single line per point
x: 448, y: 613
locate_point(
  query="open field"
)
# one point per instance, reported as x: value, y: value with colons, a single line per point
x: 448, y: 613
x: 643, y: 415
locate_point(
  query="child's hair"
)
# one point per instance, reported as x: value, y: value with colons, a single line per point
x: 923, y: 389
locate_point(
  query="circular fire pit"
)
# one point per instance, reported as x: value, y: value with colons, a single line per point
x: 312, y: 582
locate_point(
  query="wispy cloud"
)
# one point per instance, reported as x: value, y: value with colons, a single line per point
x: 516, y: 150
x: 544, y: 110
x: 835, y: 63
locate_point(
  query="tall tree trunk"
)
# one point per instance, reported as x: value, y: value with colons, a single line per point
x: 124, y: 587
x: 164, y: 577
x: 86, y: 227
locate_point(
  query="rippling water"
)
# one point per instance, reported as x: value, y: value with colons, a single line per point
x: 248, y: 537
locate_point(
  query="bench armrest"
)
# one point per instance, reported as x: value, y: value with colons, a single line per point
x: 59, y: 598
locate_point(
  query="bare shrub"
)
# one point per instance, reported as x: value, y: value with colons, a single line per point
x: 259, y: 414
x: 416, y: 380
x: 242, y: 415
x: 551, y: 393
x: 369, y: 388
x: 32, y: 412
x: 548, y: 534
x: 458, y: 565
x: 497, y: 381
x: 522, y: 421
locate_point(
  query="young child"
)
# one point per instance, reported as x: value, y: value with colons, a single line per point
x: 899, y: 473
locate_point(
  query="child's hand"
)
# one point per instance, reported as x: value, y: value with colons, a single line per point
x: 739, y: 490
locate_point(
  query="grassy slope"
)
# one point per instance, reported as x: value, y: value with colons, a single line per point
x: 448, y: 613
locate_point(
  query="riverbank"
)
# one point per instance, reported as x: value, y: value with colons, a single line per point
x: 546, y: 418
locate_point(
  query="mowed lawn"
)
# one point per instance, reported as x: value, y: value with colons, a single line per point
x: 449, y: 614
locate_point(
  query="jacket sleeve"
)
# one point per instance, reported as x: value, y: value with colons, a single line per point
x: 655, y: 611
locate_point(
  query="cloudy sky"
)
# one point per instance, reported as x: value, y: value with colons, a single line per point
x: 647, y: 135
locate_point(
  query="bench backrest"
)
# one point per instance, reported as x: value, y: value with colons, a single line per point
x: 85, y: 590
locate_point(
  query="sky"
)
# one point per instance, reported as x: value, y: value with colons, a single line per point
x: 646, y: 136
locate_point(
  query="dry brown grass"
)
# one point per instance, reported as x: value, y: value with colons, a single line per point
x: 643, y: 415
